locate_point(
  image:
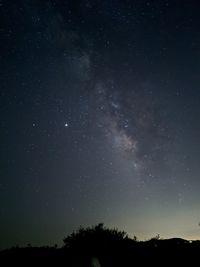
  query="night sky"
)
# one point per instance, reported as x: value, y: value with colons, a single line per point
x: 100, y: 118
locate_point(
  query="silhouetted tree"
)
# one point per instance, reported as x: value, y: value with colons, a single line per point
x: 96, y: 241
x: 94, y: 234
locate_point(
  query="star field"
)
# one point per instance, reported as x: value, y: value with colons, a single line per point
x: 99, y: 118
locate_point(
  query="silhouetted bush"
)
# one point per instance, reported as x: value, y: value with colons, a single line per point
x: 96, y: 235
x: 97, y: 241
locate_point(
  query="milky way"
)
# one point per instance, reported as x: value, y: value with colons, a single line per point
x: 99, y: 118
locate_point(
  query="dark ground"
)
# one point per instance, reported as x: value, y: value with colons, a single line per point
x: 125, y: 253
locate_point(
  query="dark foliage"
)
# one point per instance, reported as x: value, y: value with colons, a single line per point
x: 99, y: 246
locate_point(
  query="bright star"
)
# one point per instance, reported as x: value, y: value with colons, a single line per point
x: 66, y: 124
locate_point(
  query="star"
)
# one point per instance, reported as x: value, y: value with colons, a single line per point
x: 66, y: 124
